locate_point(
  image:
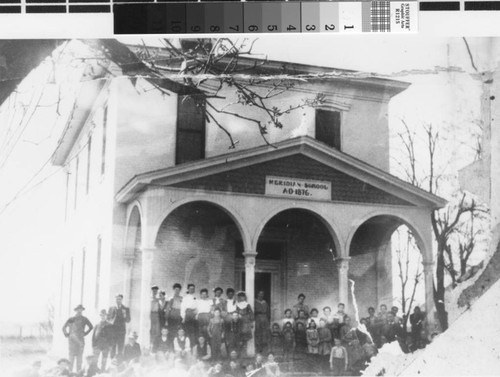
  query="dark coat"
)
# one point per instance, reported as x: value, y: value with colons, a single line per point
x: 101, y: 337
x: 131, y: 352
x: 119, y: 317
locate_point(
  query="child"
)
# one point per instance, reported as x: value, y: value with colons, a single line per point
x: 182, y: 345
x: 300, y: 341
x: 338, y: 358
x: 202, y: 351
x: 276, y: 340
x: 232, y: 333
x: 272, y: 368
x: 325, y: 338
x: 288, y: 341
x: 216, y: 333
x: 314, y: 317
x: 162, y: 344
x: 312, y: 338
x: 302, y: 318
x: 132, y: 350
x: 288, y: 318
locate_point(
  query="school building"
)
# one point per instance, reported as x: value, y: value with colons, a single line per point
x: 154, y: 195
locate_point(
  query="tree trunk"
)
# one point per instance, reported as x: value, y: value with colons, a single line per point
x: 439, y: 291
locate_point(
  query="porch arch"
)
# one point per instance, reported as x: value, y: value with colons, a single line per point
x: 333, y: 230
x: 371, y: 265
x: 222, y: 205
x: 399, y: 219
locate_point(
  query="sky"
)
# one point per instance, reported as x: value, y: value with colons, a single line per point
x: 29, y: 264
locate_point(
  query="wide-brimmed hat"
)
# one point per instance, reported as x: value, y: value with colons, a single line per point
x: 80, y: 306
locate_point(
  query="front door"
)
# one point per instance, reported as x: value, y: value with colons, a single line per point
x: 263, y: 282
x: 269, y: 276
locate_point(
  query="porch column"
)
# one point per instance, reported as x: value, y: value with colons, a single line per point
x: 429, y: 294
x: 250, y: 256
x: 127, y: 276
x: 146, y: 278
x: 343, y: 268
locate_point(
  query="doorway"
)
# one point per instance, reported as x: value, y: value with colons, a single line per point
x: 269, y: 274
x: 263, y: 282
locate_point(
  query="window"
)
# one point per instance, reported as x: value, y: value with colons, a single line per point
x: 67, y: 197
x: 98, y: 272
x: 190, y: 141
x: 328, y: 127
x: 82, y: 288
x: 61, y: 290
x: 70, y: 295
x: 76, y: 179
x: 89, y: 152
x: 103, y: 149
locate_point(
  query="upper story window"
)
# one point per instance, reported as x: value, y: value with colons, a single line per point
x: 190, y: 138
x: 328, y: 127
x: 103, y: 146
x: 89, y: 161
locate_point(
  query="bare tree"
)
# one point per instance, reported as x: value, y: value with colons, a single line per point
x: 409, y: 263
x: 194, y: 62
x: 446, y: 222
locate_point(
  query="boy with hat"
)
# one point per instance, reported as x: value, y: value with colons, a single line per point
x: 132, y: 350
x: 101, y: 340
x: 75, y: 329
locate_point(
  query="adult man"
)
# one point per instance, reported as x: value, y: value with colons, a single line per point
x: 188, y: 313
x: 300, y: 306
x: 392, y: 328
x: 395, y: 311
x: 230, y: 304
x: 75, y: 329
x: 162, y: 308
x: 101, y: 340
x: 173, y: 310
x: 155, y: 330
x: 219, y: 301
x: 417, y: 324
x: 371, y: 324
x: 118, y: 316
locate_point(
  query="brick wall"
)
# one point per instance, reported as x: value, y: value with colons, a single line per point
x: 321, y: 284
x: 196, y: 245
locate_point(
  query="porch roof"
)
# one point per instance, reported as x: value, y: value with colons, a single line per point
x: 303, y: 146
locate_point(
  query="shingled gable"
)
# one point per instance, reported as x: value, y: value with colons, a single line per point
x: 300, y: 158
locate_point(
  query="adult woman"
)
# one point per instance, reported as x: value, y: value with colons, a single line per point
x: 245, y: 313
x: 261, y: 323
